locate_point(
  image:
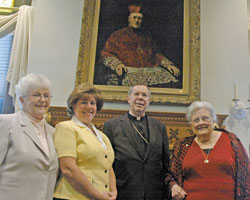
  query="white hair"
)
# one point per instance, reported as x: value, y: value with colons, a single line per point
x: 200, y: 105
x: 31, y: 81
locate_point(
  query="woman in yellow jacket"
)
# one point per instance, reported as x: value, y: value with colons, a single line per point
x: 85, y: 153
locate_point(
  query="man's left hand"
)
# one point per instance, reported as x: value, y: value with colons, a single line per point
x: 170, y: 66
x: 174, y: 70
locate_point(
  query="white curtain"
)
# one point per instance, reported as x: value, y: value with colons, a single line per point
x: 21, y: 46
x: 7, y: 24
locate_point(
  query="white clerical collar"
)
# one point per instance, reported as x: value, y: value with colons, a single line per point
x: 137, y: 118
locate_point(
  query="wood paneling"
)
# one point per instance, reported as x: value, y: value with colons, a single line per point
x: 176, y: 123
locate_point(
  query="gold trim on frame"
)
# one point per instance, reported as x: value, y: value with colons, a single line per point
x: 191, y: 58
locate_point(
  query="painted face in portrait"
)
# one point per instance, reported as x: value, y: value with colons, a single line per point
x: 85, y: 109
x: 37, y: 102
x: 139, y: 99
x: 135, y: 20
x: 202, y: 122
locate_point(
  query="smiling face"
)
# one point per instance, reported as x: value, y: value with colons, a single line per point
x: 135, y: 20
x: 37, y: 102
x: 85, y: 109
x: 139, y: 100
x: 202, y: 122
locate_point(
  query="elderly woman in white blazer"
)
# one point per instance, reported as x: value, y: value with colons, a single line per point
x: 28, y: 160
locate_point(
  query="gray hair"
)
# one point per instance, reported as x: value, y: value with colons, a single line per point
x: 132, y: 86
x: 200, y: 105
x: 31, y: 81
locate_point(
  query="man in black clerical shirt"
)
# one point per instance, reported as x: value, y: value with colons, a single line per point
x: 141, y: 149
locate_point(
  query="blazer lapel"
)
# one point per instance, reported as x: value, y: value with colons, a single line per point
x: 26, y: 127
x: 49, y: 132
x: 129, y: 133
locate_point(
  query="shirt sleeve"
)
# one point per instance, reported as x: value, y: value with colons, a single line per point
x: 65, y: 139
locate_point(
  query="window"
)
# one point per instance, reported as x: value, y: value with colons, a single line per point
x: 5, y: 50
x: 5, y: 6
x: 6, y: 3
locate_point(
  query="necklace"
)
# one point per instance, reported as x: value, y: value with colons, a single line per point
x: 139, y: 132
x: 205, y: 155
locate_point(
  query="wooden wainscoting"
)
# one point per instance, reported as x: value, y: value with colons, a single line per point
x: 176, y: 123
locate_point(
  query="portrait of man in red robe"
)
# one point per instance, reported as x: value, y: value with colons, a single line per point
x: 131, y: 55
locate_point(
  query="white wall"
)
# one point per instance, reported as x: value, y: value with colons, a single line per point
x: 54, y: 45
x: 248, y: 8
x: 248, y: 12
x: 224, y: 50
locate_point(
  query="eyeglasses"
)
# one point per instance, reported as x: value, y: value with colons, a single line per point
x: 39, y: 96
x: 203, y: 118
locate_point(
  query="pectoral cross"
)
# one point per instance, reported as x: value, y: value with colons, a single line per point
x: 140, y: 49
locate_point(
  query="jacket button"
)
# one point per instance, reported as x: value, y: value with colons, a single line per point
x: 105, y: 171
x: 106, y: 156
x: 106, y: 186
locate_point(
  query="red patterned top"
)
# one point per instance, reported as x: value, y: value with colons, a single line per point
x: 213, y: 179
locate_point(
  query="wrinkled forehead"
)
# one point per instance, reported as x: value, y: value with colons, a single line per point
x: 139, y: 15
x: 140, y: 88
x: 36, y: 89
x: 199, y: 112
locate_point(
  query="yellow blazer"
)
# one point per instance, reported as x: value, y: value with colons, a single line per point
x: 26, y: 172
x: 94, y: 161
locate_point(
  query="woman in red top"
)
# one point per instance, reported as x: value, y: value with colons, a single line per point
x: 211, y: 164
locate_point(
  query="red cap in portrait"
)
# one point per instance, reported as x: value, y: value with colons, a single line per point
x: 134, y: 8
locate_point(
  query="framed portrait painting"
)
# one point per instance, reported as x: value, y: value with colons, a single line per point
x: 151, y: 42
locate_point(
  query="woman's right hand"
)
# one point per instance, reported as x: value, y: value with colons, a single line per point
x: 177, y: 192
x: 107, y: 196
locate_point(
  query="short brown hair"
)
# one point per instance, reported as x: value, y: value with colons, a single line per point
x: 81, y: 90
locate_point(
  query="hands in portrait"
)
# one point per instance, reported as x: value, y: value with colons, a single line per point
x: 174, y: 70
x: 120, y: 69
x: 170, y: 66
x: 178, y: 193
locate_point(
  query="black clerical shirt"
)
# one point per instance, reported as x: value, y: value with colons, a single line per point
x: 141, y: 126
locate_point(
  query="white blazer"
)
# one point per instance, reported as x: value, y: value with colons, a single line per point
x: 26, y: 172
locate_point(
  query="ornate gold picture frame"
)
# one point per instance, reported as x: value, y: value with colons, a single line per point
x: 190, y: 89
